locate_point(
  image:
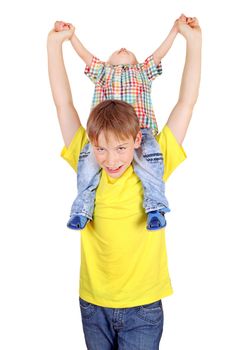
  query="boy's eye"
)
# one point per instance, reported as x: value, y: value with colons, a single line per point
x: 121, y: 148
x: 100, y: 149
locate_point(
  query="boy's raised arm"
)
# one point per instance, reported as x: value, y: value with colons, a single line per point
x: 67, y: 115
x: 181, y: 114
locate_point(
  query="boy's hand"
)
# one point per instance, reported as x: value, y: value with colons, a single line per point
x: 62, y: 31
x: 188, y: 27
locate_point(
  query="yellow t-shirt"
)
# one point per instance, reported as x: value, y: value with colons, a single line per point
x: 122, y: 263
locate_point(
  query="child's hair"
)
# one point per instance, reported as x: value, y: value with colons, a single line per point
x: 112, y: 116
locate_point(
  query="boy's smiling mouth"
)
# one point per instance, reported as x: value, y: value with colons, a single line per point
x: 113, y: 170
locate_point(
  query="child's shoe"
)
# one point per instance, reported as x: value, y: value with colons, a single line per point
x: 155, y: 220
x: 77, y: 222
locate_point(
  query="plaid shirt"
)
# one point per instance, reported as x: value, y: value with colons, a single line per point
x: 129, y: 83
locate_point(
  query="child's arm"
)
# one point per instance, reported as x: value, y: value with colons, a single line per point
x: 166, y: 45
x: 85, y: 55
x: 181, y: 114
x: 67, y: 115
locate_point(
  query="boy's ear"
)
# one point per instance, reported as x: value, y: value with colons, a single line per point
x: 138, y: 140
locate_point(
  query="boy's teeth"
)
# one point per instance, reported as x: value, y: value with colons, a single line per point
x: 113, y: 168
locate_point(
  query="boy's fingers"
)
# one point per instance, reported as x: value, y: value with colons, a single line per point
x: 195, y: 20
x: 194, y: 23
x: 192, y: 19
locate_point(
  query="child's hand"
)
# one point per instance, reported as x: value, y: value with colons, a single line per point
x: 188, y: 27
x: 62, y: 31
x: 59, y: 26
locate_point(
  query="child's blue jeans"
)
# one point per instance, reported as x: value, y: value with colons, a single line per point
x: 148, y: 165
x: 133, y: 328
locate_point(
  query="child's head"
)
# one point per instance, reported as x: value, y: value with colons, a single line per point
x: 114, y: 132
x: 122, y: 56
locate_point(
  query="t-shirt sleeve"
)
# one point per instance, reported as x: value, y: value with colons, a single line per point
x: 94, y: 70
x: 173, y: 152
x: 151, y: 69
x: 71, y: 153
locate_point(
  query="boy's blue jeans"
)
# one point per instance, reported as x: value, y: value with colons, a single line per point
x: 148, y: 165
x: 133, y: 328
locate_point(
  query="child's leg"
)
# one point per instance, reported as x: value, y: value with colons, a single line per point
x: 149, y: 167
x: 88, y: 177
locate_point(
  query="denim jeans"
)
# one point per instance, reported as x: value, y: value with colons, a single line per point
x: 148, y: 165
x: 133, y: 328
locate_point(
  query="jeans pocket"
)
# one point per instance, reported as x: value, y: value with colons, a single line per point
x: 84, y: 303
x: 87, y: 309
x: 156, y: 305
x: 152, y: 313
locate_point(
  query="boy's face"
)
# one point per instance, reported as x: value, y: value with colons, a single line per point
x: 122, y: 56
x: 115, y: 155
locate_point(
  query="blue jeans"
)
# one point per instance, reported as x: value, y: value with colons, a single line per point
x: 148, y: 165
x: 133, y: 328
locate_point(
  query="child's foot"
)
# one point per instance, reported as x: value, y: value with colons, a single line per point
x: 155, y: 220
x: 77, y: 222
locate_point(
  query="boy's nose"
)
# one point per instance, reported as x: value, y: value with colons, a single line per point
x: 111, y: 161
x: 111, y: 164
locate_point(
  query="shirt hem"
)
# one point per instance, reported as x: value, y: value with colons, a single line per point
x: 139, y: 302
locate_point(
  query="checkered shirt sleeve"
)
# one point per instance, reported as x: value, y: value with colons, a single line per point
x: 94, y: 70
x: 151, y: 69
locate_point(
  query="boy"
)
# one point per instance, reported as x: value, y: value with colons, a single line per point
x: 124, y: 272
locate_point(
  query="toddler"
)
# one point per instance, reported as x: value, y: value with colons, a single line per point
x: 121, y: 77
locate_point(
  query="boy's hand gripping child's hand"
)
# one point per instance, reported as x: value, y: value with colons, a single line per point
x: 61, y: 32
x: 60, y: 26
x: 188, y: 27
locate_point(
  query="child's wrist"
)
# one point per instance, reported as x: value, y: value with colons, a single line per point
x: 73, y: 37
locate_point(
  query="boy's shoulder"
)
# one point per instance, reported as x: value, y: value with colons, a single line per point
x: 72, y: 152
x: 173, y: 153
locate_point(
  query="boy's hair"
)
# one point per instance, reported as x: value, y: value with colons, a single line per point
x: 112, y: 116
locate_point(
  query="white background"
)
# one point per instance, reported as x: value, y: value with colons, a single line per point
x: 39, y: 256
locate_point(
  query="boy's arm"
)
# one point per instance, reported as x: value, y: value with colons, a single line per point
x: 181, y: 114
x: 166, y: 45
x: 85, y: 55
x: 67, y: 115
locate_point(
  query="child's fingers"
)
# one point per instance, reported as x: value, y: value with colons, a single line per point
x: 60, y: 25
x: 182, y: 18
x: 68, y: 26
x: 71, y: 27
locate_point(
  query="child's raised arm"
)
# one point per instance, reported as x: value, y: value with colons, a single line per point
x: 67, y: 115
x: 85, y: 55
x: 80, y: 49
x: 166, y: 45
x: 181, y: 114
